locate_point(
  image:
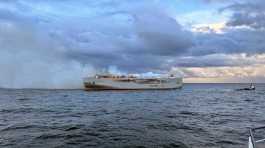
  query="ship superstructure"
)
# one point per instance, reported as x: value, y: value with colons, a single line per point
x: 122, y: 82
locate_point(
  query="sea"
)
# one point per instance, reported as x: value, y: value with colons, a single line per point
x: 196, y: 116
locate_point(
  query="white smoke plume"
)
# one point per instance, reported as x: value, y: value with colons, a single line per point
x: 30, y: 59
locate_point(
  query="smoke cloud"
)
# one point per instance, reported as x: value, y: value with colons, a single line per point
x: 31, y: 59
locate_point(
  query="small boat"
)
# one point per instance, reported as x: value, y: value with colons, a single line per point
x: 252, y: 142
x: 251, y: 87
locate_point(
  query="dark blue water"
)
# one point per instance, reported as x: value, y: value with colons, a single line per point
x: 197, y: 116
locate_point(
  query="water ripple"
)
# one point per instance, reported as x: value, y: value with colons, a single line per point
x: 198, y: 116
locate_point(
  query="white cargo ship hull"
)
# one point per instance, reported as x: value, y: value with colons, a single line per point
x: 92, y: 83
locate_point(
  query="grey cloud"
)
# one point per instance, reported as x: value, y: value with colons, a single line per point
x: 233, y: 41
x: 219, y: 60
x: 147, y: 35
x: 134, y: 36
x: 212, y: 43
x: 59, y: 48
x: 250, y: 13
x: 161, y: 34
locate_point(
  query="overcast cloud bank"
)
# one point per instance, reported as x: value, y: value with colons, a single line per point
x: 53, y: 44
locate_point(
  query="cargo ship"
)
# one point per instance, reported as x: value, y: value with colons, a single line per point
x: 122, y: 82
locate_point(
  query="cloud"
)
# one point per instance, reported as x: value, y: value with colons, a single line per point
x: 250, y: 14
x: 219, y: 60
x: 160, y: 34
x: 138, y: 39
x: 56, y: 41
x: 48, y: 48
x: 223, y: 74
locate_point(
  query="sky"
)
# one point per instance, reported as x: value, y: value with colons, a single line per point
x: 55, y: 43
